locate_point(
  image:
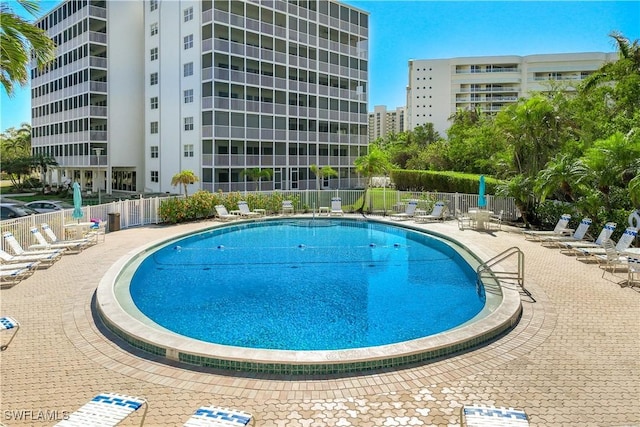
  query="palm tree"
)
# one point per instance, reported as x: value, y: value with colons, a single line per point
x: 562, y: 173
x: 628, y: 64
x: 19, y: 40
x: 184, y: 178
x: 370, y: 165
x: 257, y: 174
x: 322, y: 173
x: 41, y: 163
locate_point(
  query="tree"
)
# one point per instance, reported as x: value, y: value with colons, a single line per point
x: 184, y: 178
x: 562, y: 174
x: 19, y: 41
x: 257, y: 174
x: 370, y: 165
x: 322, y: 173
x: 41, y: 163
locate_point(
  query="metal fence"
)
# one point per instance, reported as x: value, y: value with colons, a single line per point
x: 143, y: 211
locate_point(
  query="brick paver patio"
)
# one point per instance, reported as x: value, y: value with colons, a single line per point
x: 573, y: 359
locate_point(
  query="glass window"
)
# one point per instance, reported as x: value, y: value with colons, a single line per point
x: 154, y: 28
x: 154, y: 53
x: 188, y: 69
x: 154, y: 102
x: 188, y: 123
x: 153, y: 5
x: 154, y: 151
x: 154, y: 176
x: 188, y: 150
x: 153, y: 79
x: 154, y: 127
x: 188, y: 14
x: 188, y: 41
x: 188, y: 96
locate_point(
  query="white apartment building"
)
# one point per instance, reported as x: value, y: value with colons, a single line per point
x: 221, y: 87
x: 383, y: 122
x: 87, y: 107
x: 439, y: 87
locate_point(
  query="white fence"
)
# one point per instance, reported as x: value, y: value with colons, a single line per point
x: 138, y: 212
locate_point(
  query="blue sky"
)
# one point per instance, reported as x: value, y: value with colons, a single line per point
x: 403, y: 30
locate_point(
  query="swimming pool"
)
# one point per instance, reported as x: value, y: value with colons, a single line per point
x: 301, y: 296
x: 307, y: 285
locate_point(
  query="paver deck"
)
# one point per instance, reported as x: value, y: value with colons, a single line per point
x: 572, y: 360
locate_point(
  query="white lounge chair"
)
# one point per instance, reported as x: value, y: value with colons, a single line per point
x: 45, y: 260
x: 219, y: 417
x: 625, y: 241
x: 571, y: 247
x: 71, y: 247
x: 7, y: 323
x: 577, y: 236
x: 223, y: 215
x: 106, y: 409
x: 48, y: 233
x: 11, y: 276
x: 491, y: 416
x: 409, y: 211
x: 15, y: 246
x: 287, y: 207
x: 438, y: 212
x: 560, y: 229
x: 243, y: 210
x: 336, y: 206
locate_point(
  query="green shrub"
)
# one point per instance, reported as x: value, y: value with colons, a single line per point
x: 446, y: 182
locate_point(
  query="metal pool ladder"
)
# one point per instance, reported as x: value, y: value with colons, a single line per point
x: 507, y: 276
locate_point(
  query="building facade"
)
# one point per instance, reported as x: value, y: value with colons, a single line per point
x: 225, y: 88
x: 383, y: 122
x: 439, y: 87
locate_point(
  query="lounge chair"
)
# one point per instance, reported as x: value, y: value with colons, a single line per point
x: 287, y: 207
x: 220, y: 417
x: 438, y: 212
x: 223, y: 215
x: 48, y: 233
x: 577, y: 236
x: 571, y: 247
x: 611, y: 259
x: 8, y: 323
x: 243, y: 210
x: 559, y: 230
x: 625, y: 241
x: 409, y: 211
x: 45, y: 260
x: 633, y: 269
x: 106, y: 409
x: 336, y: 206
x: 485, y: 416
x: 71, y: 247
x: 497, y: 219
x: 18, y: 250
x: 11, y: 276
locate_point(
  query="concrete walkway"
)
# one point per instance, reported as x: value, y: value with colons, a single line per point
x: 573, y: 359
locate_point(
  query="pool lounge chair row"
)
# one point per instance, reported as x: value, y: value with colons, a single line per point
x: 243, y: 210
x: 604, y: 250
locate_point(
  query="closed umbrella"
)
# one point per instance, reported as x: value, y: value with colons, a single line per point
x: 482, y: 200
x: 77, y: 202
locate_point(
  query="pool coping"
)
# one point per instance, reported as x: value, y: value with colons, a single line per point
x: 178, y: 348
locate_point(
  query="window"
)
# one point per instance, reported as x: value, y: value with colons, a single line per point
x: 188, y: 150
x: 154, y: 151
x: 188, y: 41
x: 153, y: 4
x: 153, y: 79
x: 154, y: 103
x: 188, y: 14
x: 188, y: 123
x: 188, y: 96
x: 188, y: 69
x: 154, y: 127
x: 154, y: 28
x: 154, y: 53
x: 154, y: 176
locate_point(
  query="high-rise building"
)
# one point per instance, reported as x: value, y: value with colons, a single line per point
x: 224, y: 88
x: 383, y: 122
x: 439, y: 87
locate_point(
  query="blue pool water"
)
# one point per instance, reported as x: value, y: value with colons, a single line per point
x: 307, y: 285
